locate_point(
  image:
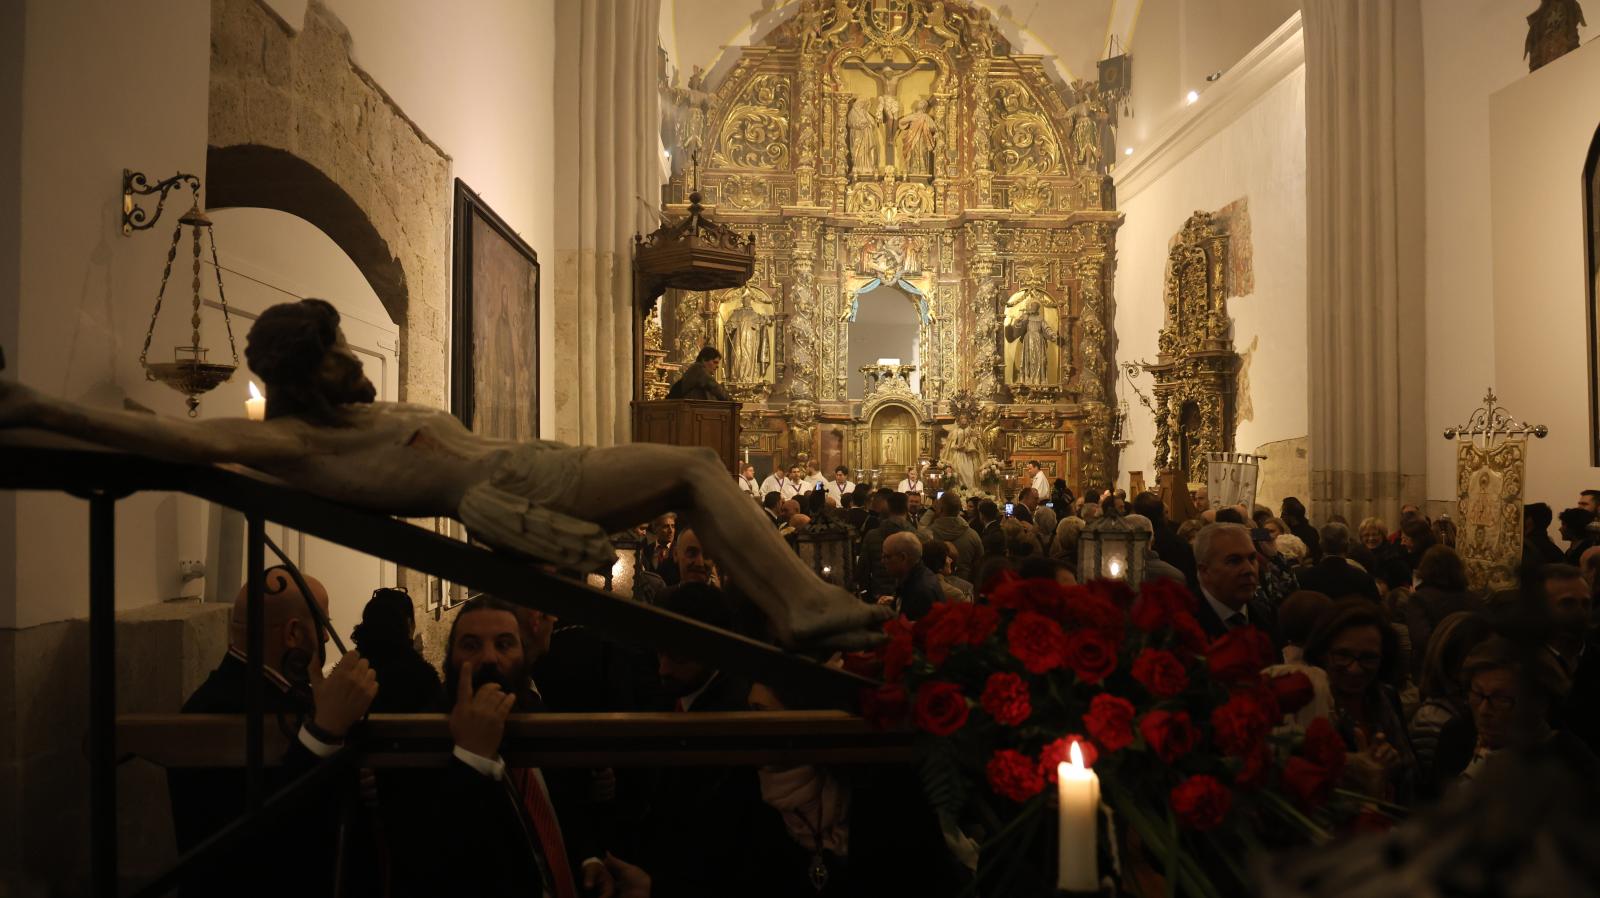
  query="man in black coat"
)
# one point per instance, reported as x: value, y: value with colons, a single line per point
x: 1294, y: 514
x: 296, y: 855
x: 989, y: 530
x: 1334, y: 576
x: 699, y: 381
x: 917, y: 588
x: 1225, y: 559
x: 1168, y: 545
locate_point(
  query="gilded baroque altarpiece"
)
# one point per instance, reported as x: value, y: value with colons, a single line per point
x: 900, y: 152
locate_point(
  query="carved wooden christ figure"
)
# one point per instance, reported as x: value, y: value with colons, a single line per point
x: 325, y: 434
x: 746, y: 339
x: 1035, y: 336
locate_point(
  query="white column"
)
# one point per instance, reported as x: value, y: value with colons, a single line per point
x: 1364, y: 255
x: 607, y: 143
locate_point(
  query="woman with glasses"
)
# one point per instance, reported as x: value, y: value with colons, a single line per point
x: 1510, y: 690
x: 1361, y: 654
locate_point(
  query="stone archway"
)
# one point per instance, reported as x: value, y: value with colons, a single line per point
x: 296, y: 125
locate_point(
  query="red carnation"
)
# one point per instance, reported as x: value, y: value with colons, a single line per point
x: 1160, y: 672
x: 1191, y: 636
x: 951, y: 624
x: 1110, y: 721
x: 1292, y: 691
x: 1014, y: 775
x: 1091, y: 654
x: 1060, y: 752
x: 1201, y: 802
x: 1036, y: 594
x: 898, y: 651
x: 1241, y: 725
x: 1005, y: 698
x: 1087, y: 609
x: 941, y: 708
x: 1323, y: 745
x: 1169, y: 734
x: 1036, y: 641
x: 884, y: 707
x: 1239, y: 655
x: 1114, y: 591
x: 1160, y: 601
x: 1307, y: 782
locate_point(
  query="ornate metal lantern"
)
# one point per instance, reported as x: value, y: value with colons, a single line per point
x: 1110, y: 549
x: 190, y: 372
x: 628, y: 547
x: 825, y: 547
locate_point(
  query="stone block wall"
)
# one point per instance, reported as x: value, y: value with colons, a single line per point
x: 365, y: 173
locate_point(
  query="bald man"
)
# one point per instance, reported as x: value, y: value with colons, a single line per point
x: 206, y: 800
x: 916, y: 587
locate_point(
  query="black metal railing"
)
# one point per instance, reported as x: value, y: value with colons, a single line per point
x: 30, y: 461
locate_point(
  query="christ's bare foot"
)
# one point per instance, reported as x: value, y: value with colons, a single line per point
x: 818, y: 614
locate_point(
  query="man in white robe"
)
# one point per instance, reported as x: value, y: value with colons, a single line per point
x: 774, y: 482
x: 840, y: 486
x: 913, y: 482
x: 1038, y: 481
x: 747, y: 481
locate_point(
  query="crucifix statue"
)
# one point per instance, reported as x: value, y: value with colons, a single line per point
x: 869, y: 117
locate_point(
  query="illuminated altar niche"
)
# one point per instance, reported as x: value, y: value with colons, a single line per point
x: 1012, y: 194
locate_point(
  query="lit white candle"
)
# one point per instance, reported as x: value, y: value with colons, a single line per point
x: 1115, y: 567
x: 255, y: 408
x: 1078, y: 789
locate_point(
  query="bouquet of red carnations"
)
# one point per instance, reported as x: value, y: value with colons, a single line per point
x: 1178, y: 728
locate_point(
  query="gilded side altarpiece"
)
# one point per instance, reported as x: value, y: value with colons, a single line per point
x: 898, y: 158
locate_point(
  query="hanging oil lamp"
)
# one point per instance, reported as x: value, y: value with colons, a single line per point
x: 190, y: 372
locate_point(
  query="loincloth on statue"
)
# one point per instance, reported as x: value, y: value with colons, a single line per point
x: 519, y: 508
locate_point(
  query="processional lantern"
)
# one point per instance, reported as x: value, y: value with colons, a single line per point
x: 824, y: 546
x: 1110, y: 549
x: 190, y: 372
x: 625, y: 569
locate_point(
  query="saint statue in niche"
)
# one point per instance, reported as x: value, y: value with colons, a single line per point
x: 1086, y: 115
x: 863, y: 122
x: 748, y: 347
x: 1034, y: 336
x: 326, y: 434
x: 963, y: 449
x: 914, y: 142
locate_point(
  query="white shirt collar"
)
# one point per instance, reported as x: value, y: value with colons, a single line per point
x: 689, y: 700
x: 1223, y: 611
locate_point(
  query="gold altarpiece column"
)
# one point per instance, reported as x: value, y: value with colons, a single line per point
x: 902, y: 169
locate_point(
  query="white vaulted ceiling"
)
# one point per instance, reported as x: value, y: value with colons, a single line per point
x: 1175, y: 44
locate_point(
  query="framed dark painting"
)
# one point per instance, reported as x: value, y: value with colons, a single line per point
x: 494, y: 369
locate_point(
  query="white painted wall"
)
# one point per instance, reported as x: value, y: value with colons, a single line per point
x: 1540, y: 130
x: 1471, y: 48
x: 1259, y: 156
x: 108, y: 84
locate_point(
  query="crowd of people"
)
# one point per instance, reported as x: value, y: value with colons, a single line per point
x: 1424, y: 678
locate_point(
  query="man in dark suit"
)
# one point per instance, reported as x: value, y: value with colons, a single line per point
x: 916, y: 588
x: 989, y: 531
x: 659, y: 559
x: 206, y: 800
x: 707, y: 831
x: 1164, y: 539
x: 479, y: 826
x: 699, y: 381
x: 1225, y: 560
x: 1334, y: 576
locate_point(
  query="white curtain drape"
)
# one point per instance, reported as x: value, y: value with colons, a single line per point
x: 607, y: 143
x: 1364, y: 255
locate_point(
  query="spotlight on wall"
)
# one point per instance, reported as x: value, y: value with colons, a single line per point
x: 1192, y: 97
x: 1127, y: 151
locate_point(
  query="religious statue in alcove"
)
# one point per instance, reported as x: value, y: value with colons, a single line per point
x: 963, y: 444
x: 1552, y: 32
x: 865, y: 120
x: 746, y: 336
x: 326, y: 434
x: 917, y: 133
x: 1035, y: 336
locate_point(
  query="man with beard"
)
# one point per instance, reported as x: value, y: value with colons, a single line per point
x: 707, y: 830
x: 501, y: 835
x: 206, y: 800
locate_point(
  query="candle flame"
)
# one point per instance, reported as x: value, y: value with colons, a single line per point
x: 1116, y: 571
x: 1076, y: 754
x: 255, y: 392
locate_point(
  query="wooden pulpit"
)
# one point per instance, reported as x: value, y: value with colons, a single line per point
x: 690, y: 422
